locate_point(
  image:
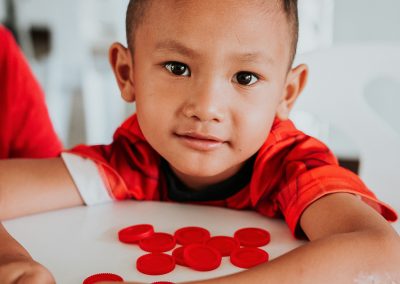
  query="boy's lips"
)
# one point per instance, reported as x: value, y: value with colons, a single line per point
x: 199, y: 141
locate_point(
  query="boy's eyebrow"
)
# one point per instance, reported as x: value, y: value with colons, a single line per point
x: 255, y: 57
x: 172, y: 45
x: 175, y: 46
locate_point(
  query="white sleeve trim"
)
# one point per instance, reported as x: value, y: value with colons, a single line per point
x: 87, y: 179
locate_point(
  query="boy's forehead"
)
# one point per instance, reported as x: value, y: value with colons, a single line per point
x: 180, y: 7
x: 188, y: 15
x: 208, y: 23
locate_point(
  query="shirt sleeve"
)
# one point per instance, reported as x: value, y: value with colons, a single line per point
x: 26, y: 129
x: 87, y: 178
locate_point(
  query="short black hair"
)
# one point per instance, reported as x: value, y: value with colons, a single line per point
x: 291, y: 11
x: 136, y: 11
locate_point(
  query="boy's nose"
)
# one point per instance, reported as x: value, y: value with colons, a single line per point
x: 206, y: 104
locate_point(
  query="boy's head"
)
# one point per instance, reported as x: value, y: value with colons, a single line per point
x: 136, y: 13
x: 208, y: 78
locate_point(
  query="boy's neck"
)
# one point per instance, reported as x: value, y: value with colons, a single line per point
x: 179, y: 192
x: 201, y: 183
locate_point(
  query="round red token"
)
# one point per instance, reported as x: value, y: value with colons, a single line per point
x: 248, y: 257
x: 178, y: 255
x: 252, y: 237
x: 100, y: 277
x: 201, y: 257
x: 158, y: 242
x: 225, y: 245
x: 155, y: 263
x: 133, y: 234
x: 191, y: 235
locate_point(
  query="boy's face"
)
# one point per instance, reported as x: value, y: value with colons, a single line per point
x: 208, y: 78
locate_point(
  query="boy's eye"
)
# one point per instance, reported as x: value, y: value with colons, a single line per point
x: 245, y: 78
x: 177, y: 68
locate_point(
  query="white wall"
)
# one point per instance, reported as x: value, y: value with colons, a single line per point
x: 316, y: 24
x: 366, y: 20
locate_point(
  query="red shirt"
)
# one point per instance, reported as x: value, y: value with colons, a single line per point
x: 291, y: 170
x: 25, y: 127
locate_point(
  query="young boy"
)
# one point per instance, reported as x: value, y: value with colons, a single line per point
x: 213, y: 86
x: 25, y: 126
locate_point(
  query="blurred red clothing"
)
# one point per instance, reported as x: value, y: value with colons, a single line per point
x: 25, y: 126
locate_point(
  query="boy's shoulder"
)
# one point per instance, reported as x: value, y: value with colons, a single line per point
x: 130, y: 129
x: 285, y: 137
x: 283, y: 129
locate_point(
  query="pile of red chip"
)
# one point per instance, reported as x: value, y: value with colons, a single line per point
x: 198, y: 250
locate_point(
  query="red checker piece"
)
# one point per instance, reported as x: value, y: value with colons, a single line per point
x: 248, y: 257
x: 158, y: 242
x: 225, y: 245
x: 178, y: 255
x: 155, y: 263
x: 191, y: 235
x: 252, y: 237
x: 201, y: 257
x: 100, y: 277
x: 133, y: 234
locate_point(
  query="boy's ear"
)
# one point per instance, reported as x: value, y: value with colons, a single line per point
x: 295, y: 83
x: 122, y: 65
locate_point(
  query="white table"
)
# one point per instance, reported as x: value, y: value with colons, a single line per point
x: 78, y: 242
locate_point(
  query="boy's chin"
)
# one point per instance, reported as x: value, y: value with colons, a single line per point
x: 197, y: 172
x: 203, y: 174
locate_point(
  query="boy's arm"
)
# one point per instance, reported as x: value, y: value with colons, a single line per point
x: 17, y: 266
x: 349, y: 243
x: 30, y: 186
x: 27, y: 187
